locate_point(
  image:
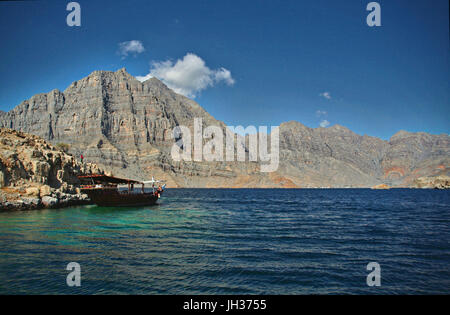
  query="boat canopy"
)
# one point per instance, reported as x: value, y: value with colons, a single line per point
x: 105, y: 179
x: 152, y: 181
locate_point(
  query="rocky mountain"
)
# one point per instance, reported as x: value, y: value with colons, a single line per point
x: 36, y: 174
x: 337, y: 157
x: 125, y: 126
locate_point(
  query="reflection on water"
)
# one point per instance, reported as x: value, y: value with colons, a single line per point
x: 234, y: 242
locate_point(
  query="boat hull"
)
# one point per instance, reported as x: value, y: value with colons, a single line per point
x: 114, y: 198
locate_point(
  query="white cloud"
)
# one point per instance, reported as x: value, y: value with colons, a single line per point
x: 321, y: 113
x: 324, y: 123
x: 187, y: 76
x: 224, y: 75
x: 133, y: 47
x: 326, y: 95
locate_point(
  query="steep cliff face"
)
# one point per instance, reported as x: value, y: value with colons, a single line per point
x: 126, y: 126
x: 114, y: 120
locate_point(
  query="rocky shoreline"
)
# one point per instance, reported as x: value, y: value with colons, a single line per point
x: 36, y: 175
x: 46, y: 202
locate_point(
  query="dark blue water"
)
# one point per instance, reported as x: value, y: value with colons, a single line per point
x: 235, y: 242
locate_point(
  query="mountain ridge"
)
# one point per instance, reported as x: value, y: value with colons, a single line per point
x: 125, y: 125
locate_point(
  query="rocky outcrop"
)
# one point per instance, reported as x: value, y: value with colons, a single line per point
x: 381, y: 186
x: 35, y: 174
x: 434, y: 182
x: 125, y: 126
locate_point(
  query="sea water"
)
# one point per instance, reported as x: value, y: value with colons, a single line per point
x: 243, y: 241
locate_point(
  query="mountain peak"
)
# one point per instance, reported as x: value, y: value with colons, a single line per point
x: 400, y: 134
x: 123, y: 72
x: 339, y: 128
x: 119, y: 72
x: 292, y: 124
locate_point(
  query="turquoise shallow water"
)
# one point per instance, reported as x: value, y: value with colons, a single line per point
x: 203, y: 241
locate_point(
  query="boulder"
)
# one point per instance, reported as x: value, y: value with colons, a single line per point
x: 31, y: 203
x: 45, y: 191
x: 32, y: 191
x: 49, y: 202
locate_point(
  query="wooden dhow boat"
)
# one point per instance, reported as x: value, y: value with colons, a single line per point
x: 109, y: 191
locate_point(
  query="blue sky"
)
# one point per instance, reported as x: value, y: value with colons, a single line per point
x: 308, y: 61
